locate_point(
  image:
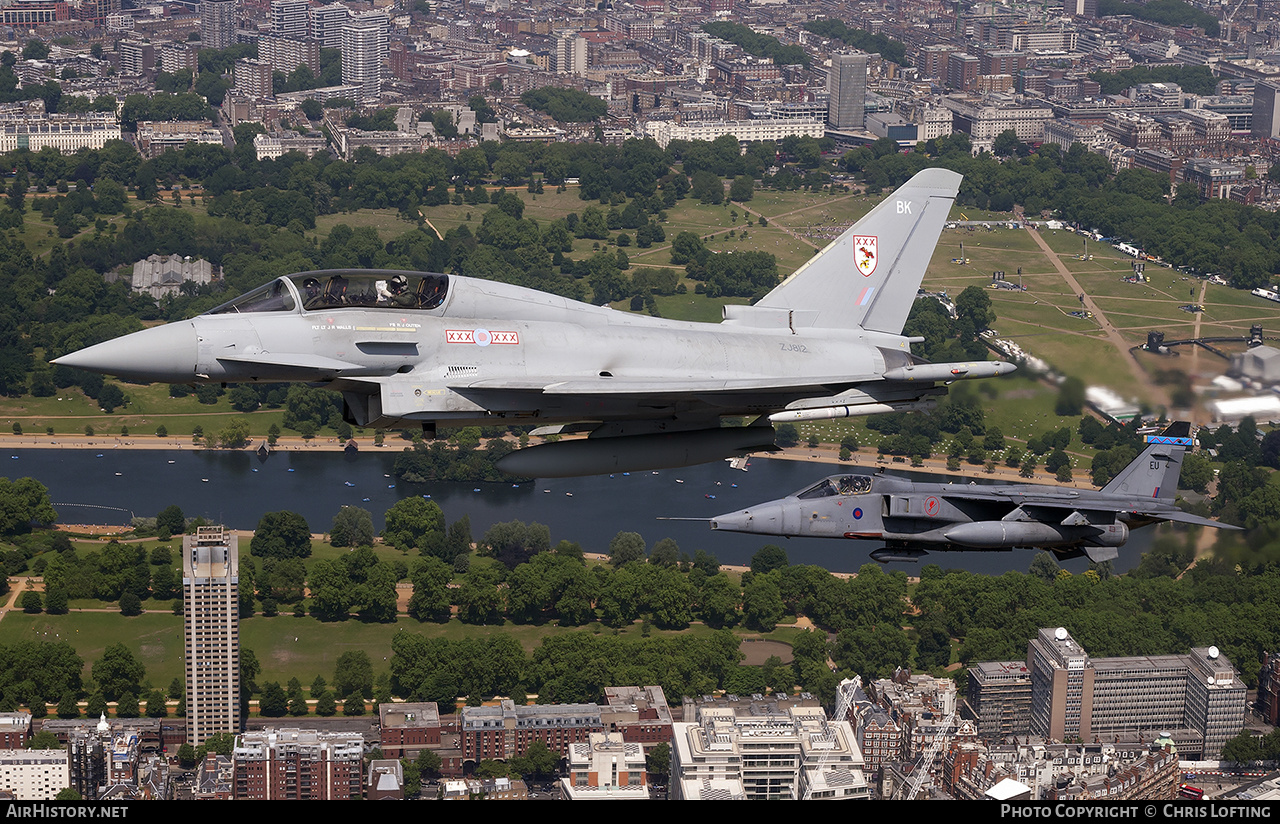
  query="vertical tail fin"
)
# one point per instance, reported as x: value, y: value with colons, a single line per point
x: 869, y: 276
x: 1154, y: 473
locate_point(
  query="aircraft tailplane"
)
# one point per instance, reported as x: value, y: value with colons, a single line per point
x: 868, y: 277
x: 1154, y: 473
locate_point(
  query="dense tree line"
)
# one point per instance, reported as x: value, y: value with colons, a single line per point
x: 1193, y: 79
x: 1166, y: 12
x: 761, y: 45
x: 565, y: 105
x: 888, y: 48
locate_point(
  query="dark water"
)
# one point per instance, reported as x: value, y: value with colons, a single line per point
x: 236, y: 488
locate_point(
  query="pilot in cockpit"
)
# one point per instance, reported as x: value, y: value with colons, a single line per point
x: 310, y: 293
x: 399, y: 294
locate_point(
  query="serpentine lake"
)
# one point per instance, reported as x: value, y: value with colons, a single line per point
x: 235, y: 488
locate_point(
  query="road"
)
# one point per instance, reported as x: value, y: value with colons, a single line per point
x: 1148, y: 387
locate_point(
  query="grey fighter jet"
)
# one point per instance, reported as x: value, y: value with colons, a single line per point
x: 913, y: 518
x: 407, y: 348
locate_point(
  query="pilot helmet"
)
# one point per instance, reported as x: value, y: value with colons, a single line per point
x: 311, y: 284
x: 398, y: 283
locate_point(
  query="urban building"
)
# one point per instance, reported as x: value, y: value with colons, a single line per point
x: 159, y: 136
x: 253, y: 79
x: 136, y: 57
x: 570, y: 53
x: 1212, y: 178
x: 66, y: 133
x: 34, y: 775
x: 326, y: 24
x: 730, y: 754
x: 217, y: 24
x: 985, y: 118
x: 999, y: 697
x: 15, y: 729
x: 1266, y: 109
x: 385, y: 780
x: 174, y: 57
x: 364, y: 45
x: 507, y: 730
x: 490, y: 789
x: 289, y: 18
x: 1197, y: 699
x: 297, y: 765
x: 275, y: 146
x: 847, y: 85
x: 31, y: 13
x: 746, y: 131
x: 1269, y: 689
x: 284, y: 55
x: 160, y: 275
x: 407, y: 729
x: 641, y: 714
x: 879, y: 736
x: 606, y: 767
x: 211, y: 620
x: 1063, y: 772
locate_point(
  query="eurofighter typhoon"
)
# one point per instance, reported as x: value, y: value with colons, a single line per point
x: 420, y: 349
x: 914, y: 518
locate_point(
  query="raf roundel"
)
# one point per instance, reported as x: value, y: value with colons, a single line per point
x: 865, y: 254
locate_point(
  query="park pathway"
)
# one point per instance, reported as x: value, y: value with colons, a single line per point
x: 1114, y: 337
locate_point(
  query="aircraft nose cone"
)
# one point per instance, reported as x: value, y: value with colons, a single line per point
x: 165, y: 354
x: 764, y: 518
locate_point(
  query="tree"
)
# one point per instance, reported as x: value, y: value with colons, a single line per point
x: 274, y: 703
x: 130, y: 604
x: 625, y: 548
x: 538, y: 761
x: 117, y: 672
x: 281, y: 535
x: 171, y: 521
x: 686, y: 247
x: 352, y: 526
x: 769, y: 558
x: 353, y: 675
x: 186, y: 756
x: 658, y: 760
x: 35, y: 49
x: 742, y: 189
x: 415, y: 522
x: 110, y: 397
x: 762, y: 605
x: 68, y: 707
x: 326, y: 706
x: 156, y: 705
x: 665, y: 553
x: 31, y: 602
x: 127, y: 706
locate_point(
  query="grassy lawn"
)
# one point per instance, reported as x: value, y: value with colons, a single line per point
x: 287, y: 647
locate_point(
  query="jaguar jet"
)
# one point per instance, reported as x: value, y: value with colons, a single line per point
x: 913, y: 518
x: 410, y: 349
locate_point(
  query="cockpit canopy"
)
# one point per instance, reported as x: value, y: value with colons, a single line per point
x: 339, y: 288
x: 837, y: 485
